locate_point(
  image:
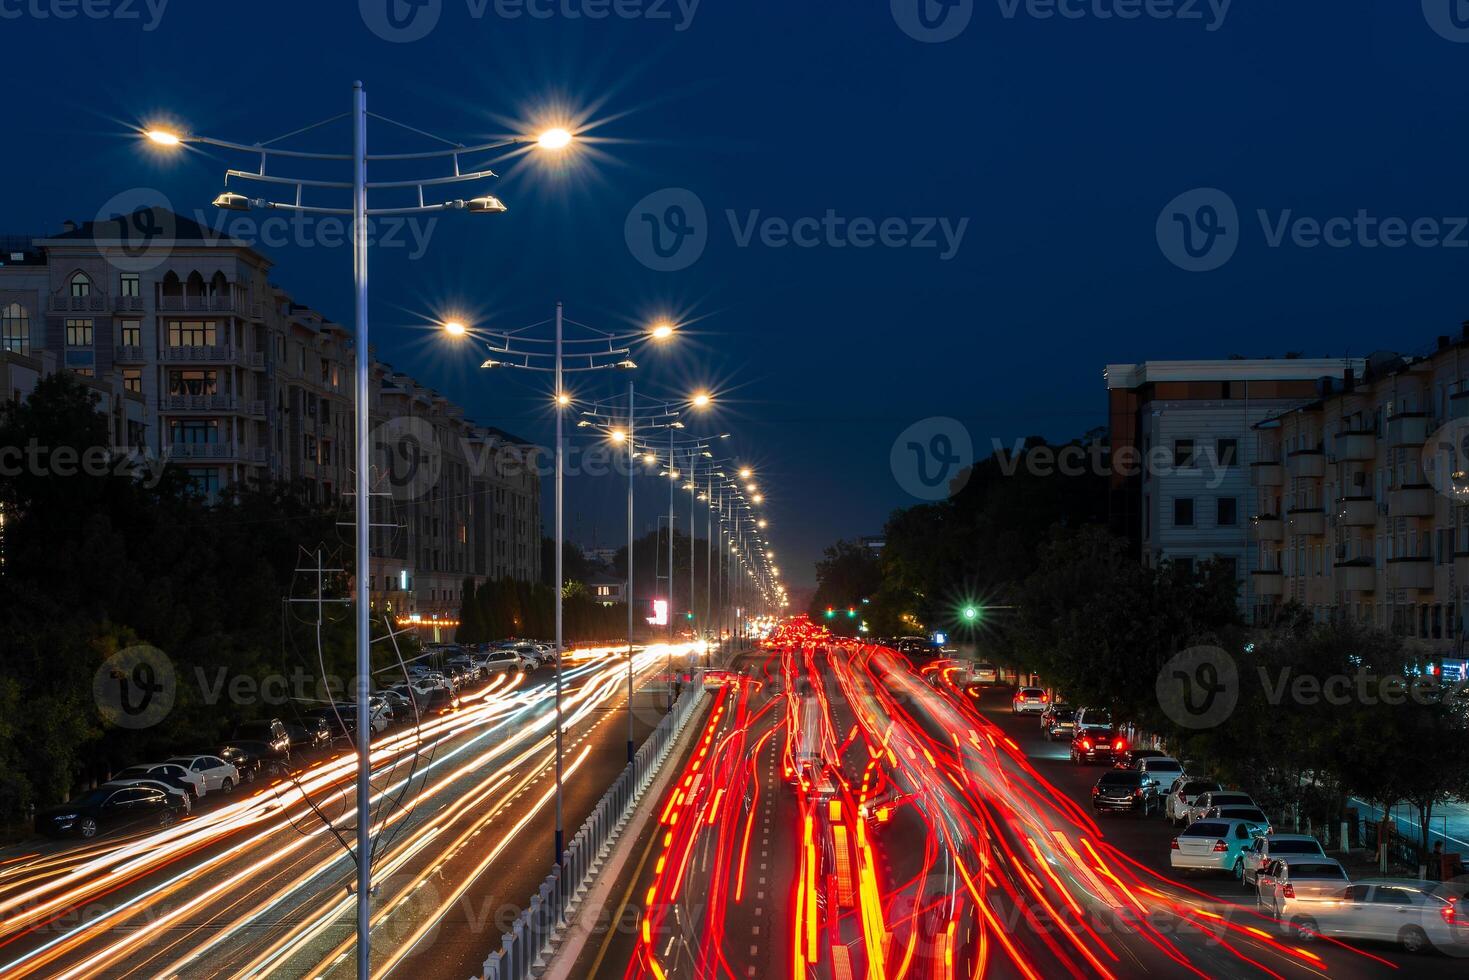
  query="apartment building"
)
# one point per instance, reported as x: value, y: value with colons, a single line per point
x: 1349, y: 519
x: 223, y: 373
x: 1182, y: 450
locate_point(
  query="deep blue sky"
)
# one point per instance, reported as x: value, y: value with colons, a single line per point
x: 1061, y: 141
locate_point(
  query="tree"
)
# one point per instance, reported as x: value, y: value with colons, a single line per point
x: 847, y: 574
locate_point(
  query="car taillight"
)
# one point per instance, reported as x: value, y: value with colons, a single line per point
x: 1175, y: 843
x: 1288, y: 891
x: 1086, y: 744
x: 1096, y: 790
x: 1045, y: 698
x: 1220, y: 846
x: 1120, y: 745
x: 1137, y: 792
x: 1450, y: 915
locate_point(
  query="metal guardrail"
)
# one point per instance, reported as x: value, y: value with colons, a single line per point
x: 523, y: 946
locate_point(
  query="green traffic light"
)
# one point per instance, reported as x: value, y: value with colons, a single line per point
x: 970, y: 613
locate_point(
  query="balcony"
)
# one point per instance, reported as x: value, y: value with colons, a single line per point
x: 1414, y: 574
x: 1307, y: 464
x: 1268, y: 473
x: 197, y: 403
x: 1356, y: 446
x: 199, y: 355
x: 1356, y: 511
x: 1268, y: 582
x: 127, y: 304
x: 1411, y: 501
x: 130, y: 354
x: 234, y: 305
x: 1407, y: 431
x: 1268, y: 527
x: 1309, y: 521
x: 255, y: 409
x: 66, y: 303
x: 215, y: 452
x: 1357, y: 575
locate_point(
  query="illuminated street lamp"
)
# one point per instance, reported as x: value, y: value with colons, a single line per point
x: 359, y: 187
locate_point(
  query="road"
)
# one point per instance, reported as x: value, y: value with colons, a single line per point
x: 946, y: 839
x: 257, y: 884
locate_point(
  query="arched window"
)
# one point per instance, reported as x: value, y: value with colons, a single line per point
x: 15, y: 329
x: 194, y: 286
x: 81, y: 285
x: 171, y: 284
x: 219, y: 285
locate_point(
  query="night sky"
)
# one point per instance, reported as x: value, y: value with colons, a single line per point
x: 1059, y: 141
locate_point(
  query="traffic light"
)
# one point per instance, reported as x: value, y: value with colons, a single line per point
x: 851, y: 614
x: 970, y: 614
x: 830, y: 612
x: 689, y: 615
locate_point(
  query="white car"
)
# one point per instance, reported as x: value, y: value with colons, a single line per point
x: 1212, y: 845
x: 1164, y: 770
x: 217, y: 775
x: 1298, y: 887
x: 169, y: 770
x: 1252, y: 815
x: 1207, y: 801
x: 1029, y: 701
x: 1279, y: 846
x: 1418, y: 915
x: 1183, y: 796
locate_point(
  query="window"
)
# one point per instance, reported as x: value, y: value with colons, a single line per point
x: 130, y: 333
x: 128, y: 284
x: 193, y: 432
x: 81, y: 286
x: 15, y: 329
x: 204, y: 481
x: 1183, y: 512
x: 1228, y: 511
x: 1227, y: 451
x: 132, y: 379
x: 193, y: 382
x: 79, y: 333
x: 1183, y: 453
x: 191, y: 333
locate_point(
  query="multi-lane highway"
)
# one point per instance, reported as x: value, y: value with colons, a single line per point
x: 844, y: 813
x: 258, y: 885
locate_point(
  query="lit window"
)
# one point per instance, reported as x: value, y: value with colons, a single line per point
x: 128, y: 284
x: 15, y: 329
x: 79, y: 333
x: 81, y: 286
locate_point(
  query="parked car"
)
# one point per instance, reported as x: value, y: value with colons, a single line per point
x: 267, y: 739
x: 109, y: 808
x: 168, y: 773
x: 1212, y: 845
x: 1298, y: 886
x: 1221, y: 797
x: 180, y: 796
x: 1029, y: 701
x: 1128, y: 759
x: 471, y: 668
x: 1164, y: 768
x: 1126, y: 789
x: 216, y: 774
x: 1058, y: 721
x: 248, y: 766
x: 1090, y: 746
x: 1418, y: 915
x: 311, y: 733
x: 513, y: 659
x: 1252, y: 815
x: 1183, y: 795
x: 1271, y: 846
x: 1095, y: 719
x: 546, y: 652
x: 339, y: 724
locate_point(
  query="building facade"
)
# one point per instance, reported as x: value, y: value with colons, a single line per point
x: 1360, y: 500
x: 1182, y: 448
x: 212, y: 367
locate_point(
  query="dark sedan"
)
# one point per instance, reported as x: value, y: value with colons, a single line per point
x: 110, y: 808
x: 1126, y: 790
x: 1095, y: 745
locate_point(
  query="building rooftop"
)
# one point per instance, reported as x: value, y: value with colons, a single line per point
x: 1240, y: 369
